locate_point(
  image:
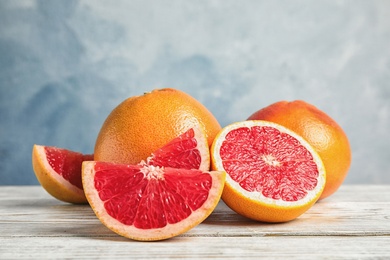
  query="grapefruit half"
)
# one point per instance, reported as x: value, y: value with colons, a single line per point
x: 273, y: 174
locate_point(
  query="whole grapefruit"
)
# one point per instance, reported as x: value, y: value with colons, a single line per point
x: 142, y: 124
x: 320, y: 130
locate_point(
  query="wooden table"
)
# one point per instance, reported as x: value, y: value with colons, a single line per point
x: 353, y: 223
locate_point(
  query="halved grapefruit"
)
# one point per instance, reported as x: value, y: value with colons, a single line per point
x: 273, y: 174
x: 146, y: 202
x: 58, y: 170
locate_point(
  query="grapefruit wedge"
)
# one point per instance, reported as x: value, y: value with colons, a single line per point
x: 146, y: 202
x: 273, y: 174
x: 163, y: 196
x: 59, y: 172
x: 189, y: 150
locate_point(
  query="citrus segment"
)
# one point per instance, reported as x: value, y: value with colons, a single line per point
x: 142, y: 124
x: 320, y: 131
x: 190, y: 150
x: 145, y: 202
x: 273, y: 175
x: 59, y: 172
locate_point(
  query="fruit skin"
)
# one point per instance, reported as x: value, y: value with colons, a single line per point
x: 320, y: 130
x: 259, y: 211
x: 142, y: 124
x: 52, y: 182
x: 250, y: 205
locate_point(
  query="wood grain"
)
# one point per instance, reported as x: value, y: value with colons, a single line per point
x: 354, y: 222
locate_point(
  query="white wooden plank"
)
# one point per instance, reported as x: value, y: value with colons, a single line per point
x: 197, y: 248
x: 64, y: 221
x: 355, y: 222
x: 49, y: 217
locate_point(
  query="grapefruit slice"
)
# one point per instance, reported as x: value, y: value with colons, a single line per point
x: 189, y: 150
x: 273, y: 174
x: 59, y: 172
x: 146, y: 202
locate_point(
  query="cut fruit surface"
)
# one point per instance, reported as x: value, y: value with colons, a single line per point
x: 189, y: 150
x: 59, y: 172
x: 146, y: 202
x: 273, y: 174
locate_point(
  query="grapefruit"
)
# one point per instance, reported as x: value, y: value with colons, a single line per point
x: 189, y: 150
x: 319, y: 130
x: 273, y: 174
x: 59, y: 172
x: 146, y: 202
x: 142, y: 124
x: 152, y: 200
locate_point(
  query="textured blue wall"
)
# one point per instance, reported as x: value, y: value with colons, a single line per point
x: 65, y: 64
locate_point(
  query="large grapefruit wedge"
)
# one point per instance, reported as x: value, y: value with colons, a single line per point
x: 146, y: 202
x: 59, y: 172
x: 273, y: 174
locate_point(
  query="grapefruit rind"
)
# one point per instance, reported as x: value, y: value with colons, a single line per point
x: 170, y: 230
x: 256, y: 206
x: 52, y: 182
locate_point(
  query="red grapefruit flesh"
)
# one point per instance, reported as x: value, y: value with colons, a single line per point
x: 273, y: 174
x: 190, y: 150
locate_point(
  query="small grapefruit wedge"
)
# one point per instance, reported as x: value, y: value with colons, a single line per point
x: 59, y: 172
x: 148, y: 203
x: 273, y: 174
x: 189, y: 150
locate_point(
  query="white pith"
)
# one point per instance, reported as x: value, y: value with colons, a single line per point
x: 203, y: 147
x: 153, y: 172
x: 270, y: 160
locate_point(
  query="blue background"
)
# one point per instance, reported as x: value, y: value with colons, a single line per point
x: 64, y: 65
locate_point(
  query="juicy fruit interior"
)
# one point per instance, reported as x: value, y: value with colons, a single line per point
x: 148, y: 196
x: 67, y: 164
x: 263, y: 159
x: 181, y: 152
